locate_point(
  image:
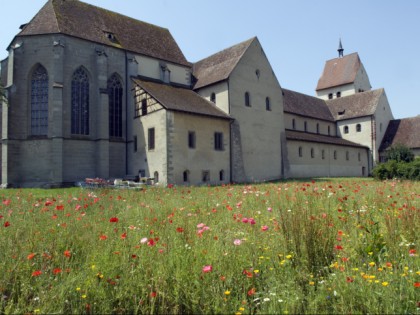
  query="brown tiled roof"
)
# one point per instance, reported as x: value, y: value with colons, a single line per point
x: 305, y: 105
x: 219, y: 66
x: 339, y: 71
x: 82, y: 20
x: 356, y: 105
x: 402, y: 131
x: 314, y: 137
x: 180, y: 99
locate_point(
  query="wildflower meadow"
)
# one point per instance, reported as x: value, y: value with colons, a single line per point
x: 324, y: 246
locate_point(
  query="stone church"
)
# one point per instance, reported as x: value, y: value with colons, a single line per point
x: 92, y: 93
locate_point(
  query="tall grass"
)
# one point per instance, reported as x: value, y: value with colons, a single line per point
x: 346, y: 246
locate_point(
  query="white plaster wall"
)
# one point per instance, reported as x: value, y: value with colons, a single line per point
x: 151, y: 68
x: 257, y: 154
x: 345, y: 90
x: 221, y: 91
x: 311, y: 124
x: 203, y: 157
x: 308, y: 166
x: 362, y: 80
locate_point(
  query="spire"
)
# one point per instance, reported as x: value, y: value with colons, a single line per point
x: 340, y: 50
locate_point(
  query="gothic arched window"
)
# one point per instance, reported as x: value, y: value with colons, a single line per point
x: 80, y: 102
x: 115, y: 96
x: 39, y: 102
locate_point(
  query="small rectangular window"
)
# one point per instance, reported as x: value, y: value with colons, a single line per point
x: 151, y: 138
x: 144, y: 107
x: 191, y: 139
x: 206, y: 176
x: 218, y: 141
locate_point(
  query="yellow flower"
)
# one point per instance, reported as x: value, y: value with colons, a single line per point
x: 227, y: 292
x: 311, y: 283
x: 241, y: 309
x: 77, y: 289
x: 84, y: 296
x: 256, y: 271
x: 289, y: 256
x: 372, y: 263
x: 385, y: 283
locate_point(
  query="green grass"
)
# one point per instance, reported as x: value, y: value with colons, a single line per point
x: 324, y: 246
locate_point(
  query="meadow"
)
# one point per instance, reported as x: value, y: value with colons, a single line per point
x: 322, y: 246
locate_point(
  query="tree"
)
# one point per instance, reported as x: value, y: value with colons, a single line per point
x: 400, y: 153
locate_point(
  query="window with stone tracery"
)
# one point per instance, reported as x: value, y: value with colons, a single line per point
x: 39, y: 102
x: 115, y: 95
x: 80, y: 102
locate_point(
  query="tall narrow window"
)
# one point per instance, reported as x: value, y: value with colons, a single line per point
x: 247, y: 99
x: 115, y: 95
x: 323, y: 154
x: 329, y: 130
x: 135, y: 143
x: 358, y: 157
x: 293, y: 124
x: 312, y: 153
x: 305, y: 126
x: 186, y: 176
x: 39, y: 102
x: 317, y: 128
x: 222, y: 175
x: 80, y: 102
x: 151, y: 139
x: 346, y: 129
x: 300, y: 152
x: 191, y: 139
x: 144, y: 107
x: 335, y: 155
x: 218, y: 141
x: 347, y: 155
x: 213, y: 97
x: 358, y: 128
x: 267, y: 104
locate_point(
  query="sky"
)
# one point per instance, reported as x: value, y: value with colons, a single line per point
x: 298, y: 36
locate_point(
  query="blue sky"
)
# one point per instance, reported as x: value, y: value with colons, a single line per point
x: 298, y: 36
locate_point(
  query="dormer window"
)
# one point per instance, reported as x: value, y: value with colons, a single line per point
x: 342, y: 112
x: 111, y: 37
x: 165, y: 73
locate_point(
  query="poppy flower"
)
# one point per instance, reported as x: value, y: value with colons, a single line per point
x: 56, y: 271
x: 36, y: 273
x: 103, y: 237
x: 251, y: 292
x: 417, y: 284
x: 179, y: 229
x: 113, y: 220
x: 67, y: 253
x: 207, y: 268
x: 338, y: 247
x: 30, y: 256
x: 264, y: 228
x: 6, y: 224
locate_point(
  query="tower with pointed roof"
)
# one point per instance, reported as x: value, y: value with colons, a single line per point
x: 340, y: 50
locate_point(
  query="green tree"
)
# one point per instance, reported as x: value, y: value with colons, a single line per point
x: 400, y: 153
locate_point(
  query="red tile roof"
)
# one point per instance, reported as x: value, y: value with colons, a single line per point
x: 82, y: 20
x: 339, y: 71
x: 219, y: 66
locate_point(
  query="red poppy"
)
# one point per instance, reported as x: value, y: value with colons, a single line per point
x: 349, y: 279
x: 251, y: 292
x: 103, y: 237
x: 36, y: 273
x: 56, y: 271
x: 67, y: 253
x: 124, y: 236
x: 417, y: 284
x: 113, y: 220
x: 338, y: 247
x: 179, y: 229
x: 59, y: 207
x: 7, y: 202
x: 153, y: 294
x: 30, y: 256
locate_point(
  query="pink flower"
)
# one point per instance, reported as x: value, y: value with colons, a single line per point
x: 237, y: 242
x: 144, y: 240
x: 264, y: 228
x: 269, y: 209
x: 207, y: 268
x: 245, y: 220
x: 252, y: 221
x: 199, y: 226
